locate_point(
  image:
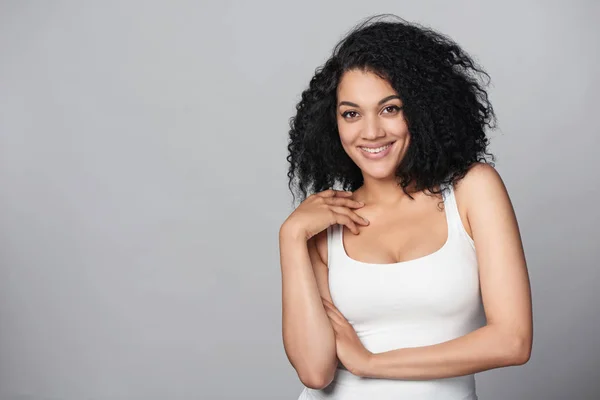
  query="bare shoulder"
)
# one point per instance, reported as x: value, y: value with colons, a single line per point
x: 480, y: 188
x: 481, y: 182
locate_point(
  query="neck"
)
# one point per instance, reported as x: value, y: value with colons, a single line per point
x: 382, y: 192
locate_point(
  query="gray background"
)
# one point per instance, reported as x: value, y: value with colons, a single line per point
x: 143, y: 183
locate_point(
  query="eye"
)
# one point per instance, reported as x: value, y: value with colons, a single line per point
x: 347, y: 113
x: 394, y: 109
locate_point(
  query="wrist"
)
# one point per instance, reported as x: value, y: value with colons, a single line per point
x: 370, y: 366
x: 289, y: 232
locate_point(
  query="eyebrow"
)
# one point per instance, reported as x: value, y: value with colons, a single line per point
x: 348, y: 103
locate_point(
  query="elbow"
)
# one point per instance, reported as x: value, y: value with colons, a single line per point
x: 317, y: 381
x: 520, y: 351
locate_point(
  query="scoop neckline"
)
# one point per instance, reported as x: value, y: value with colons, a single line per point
x: 414, y: 260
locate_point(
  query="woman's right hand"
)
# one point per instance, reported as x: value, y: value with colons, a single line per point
x: 320, y: 210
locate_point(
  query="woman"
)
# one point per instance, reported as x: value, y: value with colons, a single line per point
x: 413, y: 278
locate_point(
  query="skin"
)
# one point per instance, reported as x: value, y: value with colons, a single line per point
x: 402, y: 229
x: 417, y: 224
x: 371, y: 123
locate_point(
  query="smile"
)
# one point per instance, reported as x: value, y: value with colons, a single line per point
x: 377, y: 152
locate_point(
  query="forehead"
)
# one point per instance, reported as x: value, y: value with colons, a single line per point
x: 363, y: 86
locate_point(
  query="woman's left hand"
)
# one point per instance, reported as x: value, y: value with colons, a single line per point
x: 350, y: 350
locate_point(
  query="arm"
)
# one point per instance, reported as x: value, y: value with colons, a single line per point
x: 308, y: 337
x: 507, y: 337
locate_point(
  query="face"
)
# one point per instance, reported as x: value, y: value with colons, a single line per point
x: 371, y: 123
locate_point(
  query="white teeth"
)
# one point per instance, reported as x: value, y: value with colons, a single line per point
x: 377, y: 150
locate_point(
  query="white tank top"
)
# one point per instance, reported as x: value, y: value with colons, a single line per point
x: 419, y: 302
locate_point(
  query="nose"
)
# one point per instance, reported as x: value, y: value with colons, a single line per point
x: 372, y: 129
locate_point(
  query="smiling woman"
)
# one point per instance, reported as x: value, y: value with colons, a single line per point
x: 431, y: 285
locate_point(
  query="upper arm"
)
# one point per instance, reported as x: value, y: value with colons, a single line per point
x: 317, y: 249
x: 504, y: 280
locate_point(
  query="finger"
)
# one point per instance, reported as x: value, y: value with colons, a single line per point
x: 335, y: 326
x: 333, y: 193
x: 340, y: 201
x: 334, y: 316
x: 350, y: 213
x: 326, y: 193
x: 323, y: 299
x: 333, y: 308
x: 330, y: 306
x: 343, y: 219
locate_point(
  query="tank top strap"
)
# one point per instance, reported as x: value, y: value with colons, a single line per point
x: 333, y: 243
x: 455, y: 223
x: 451, y: 208
x: 329, y: 243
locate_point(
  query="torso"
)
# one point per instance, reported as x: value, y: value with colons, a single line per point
x: 409, y: 279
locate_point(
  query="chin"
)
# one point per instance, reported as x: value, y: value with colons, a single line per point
x: 379, y: 170
x: 380, y: 173
x: 388, y: 177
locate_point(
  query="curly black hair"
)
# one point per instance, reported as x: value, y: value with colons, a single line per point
x: 445, y: 107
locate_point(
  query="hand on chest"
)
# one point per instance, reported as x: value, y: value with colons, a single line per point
x: 395, y: 237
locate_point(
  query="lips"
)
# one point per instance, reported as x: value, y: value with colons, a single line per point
x: 371, y: 146
x: 375, y: 155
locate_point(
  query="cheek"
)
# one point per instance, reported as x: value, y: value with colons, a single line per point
x: 347, y: 136
x: 398, y: 128
x: 403, y: 135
